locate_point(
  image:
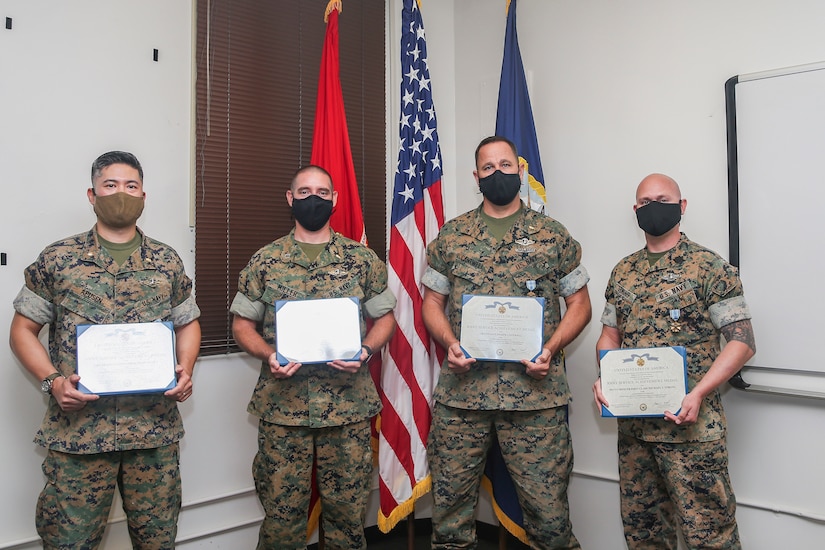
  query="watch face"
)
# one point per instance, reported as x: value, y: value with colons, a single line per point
x: 46, y: 386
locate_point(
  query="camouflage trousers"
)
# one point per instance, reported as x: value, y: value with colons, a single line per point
x: 73, y: 508
x: 536, y: 449
x: 282, y: 469
x: 668, y: 485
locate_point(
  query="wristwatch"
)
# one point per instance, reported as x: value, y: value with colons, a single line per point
x: 46, y: 384
x: 369, y: 352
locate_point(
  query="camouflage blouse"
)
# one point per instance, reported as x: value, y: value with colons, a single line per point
x: 75, y: 281
x: 316, y: 395
x: 536, y: 253
x: 706, y: 292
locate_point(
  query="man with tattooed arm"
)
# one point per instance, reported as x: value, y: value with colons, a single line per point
x: 674, y: 470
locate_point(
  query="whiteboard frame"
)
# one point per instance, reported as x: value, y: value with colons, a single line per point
x: 786, y: 372
x: 733, y: 152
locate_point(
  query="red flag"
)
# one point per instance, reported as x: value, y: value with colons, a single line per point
x: 412, y: 361
x: 331, y: 151
x: 330, y: 140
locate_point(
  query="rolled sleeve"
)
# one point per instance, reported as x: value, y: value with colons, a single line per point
x: 609, y: 316
x: 380, y: 304
x: 185, y: 312
x: 573, y: 281
x: 33, y: 306
x: 729, y: 311
x: 246, y: 308
x: 434, y: 280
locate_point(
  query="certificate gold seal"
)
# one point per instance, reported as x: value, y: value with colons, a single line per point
x: 643, y: 381
x: 501, y: 328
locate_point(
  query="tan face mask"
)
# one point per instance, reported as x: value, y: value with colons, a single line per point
x: 118, y: 210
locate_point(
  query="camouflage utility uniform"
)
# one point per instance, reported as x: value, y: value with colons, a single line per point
x: 318, y: 408
x: 495, y: 399
x: 670, y: 471
x: 75, y: 281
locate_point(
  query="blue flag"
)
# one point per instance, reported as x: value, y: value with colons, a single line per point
x: 499, y: 484
x: 514, y: 119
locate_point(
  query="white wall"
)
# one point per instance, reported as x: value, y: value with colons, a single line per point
x: 619, y: 89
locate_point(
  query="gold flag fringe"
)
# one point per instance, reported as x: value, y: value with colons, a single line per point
x: 333, y: 5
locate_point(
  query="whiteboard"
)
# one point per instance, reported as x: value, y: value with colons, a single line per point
x: 776, y: 185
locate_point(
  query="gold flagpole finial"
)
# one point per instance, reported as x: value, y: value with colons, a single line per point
x: 333, y: 5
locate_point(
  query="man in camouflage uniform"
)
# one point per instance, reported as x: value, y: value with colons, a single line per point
x: 503, y: 248
x: 111, y: 274
x: 674, y: 470
x: 316, y: 409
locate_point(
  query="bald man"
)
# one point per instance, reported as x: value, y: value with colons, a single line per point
x: 674, y: 470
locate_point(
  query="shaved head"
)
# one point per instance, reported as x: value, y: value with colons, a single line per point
x: 657, y: 188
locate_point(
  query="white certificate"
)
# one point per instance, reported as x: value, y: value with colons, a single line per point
x: 126, y: 358
x: 643, y: 381
x: 502, y: 328
x: 317, y: 331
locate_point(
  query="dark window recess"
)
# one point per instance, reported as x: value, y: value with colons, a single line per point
x: 256, y: 90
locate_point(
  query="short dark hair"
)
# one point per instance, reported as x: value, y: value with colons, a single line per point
x: 496, y: 139
x: 309, y: 168
x: 115, y: 157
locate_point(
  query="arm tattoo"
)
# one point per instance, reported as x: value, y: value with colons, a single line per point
x: 741, y: 331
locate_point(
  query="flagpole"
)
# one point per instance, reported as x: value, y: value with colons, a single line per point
x: 411, y: 531
x: 321, y: 530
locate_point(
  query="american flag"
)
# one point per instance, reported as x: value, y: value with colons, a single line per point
x: 411, y: 363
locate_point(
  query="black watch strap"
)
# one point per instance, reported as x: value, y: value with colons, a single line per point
x: 368, y: 350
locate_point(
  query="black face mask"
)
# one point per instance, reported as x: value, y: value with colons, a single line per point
x: 312, y: 212
x: 657, y: 218
x: 500, y: 188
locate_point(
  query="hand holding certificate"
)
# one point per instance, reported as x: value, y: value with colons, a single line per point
x: 126, y: 358
x: 317, y: 331
x: 644, y: 381
x: 502, y: 328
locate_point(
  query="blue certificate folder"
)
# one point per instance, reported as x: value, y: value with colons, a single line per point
x: 126, y: 358
x: 318, y: 330
x: 643, y: 382
x: 502, y: 328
